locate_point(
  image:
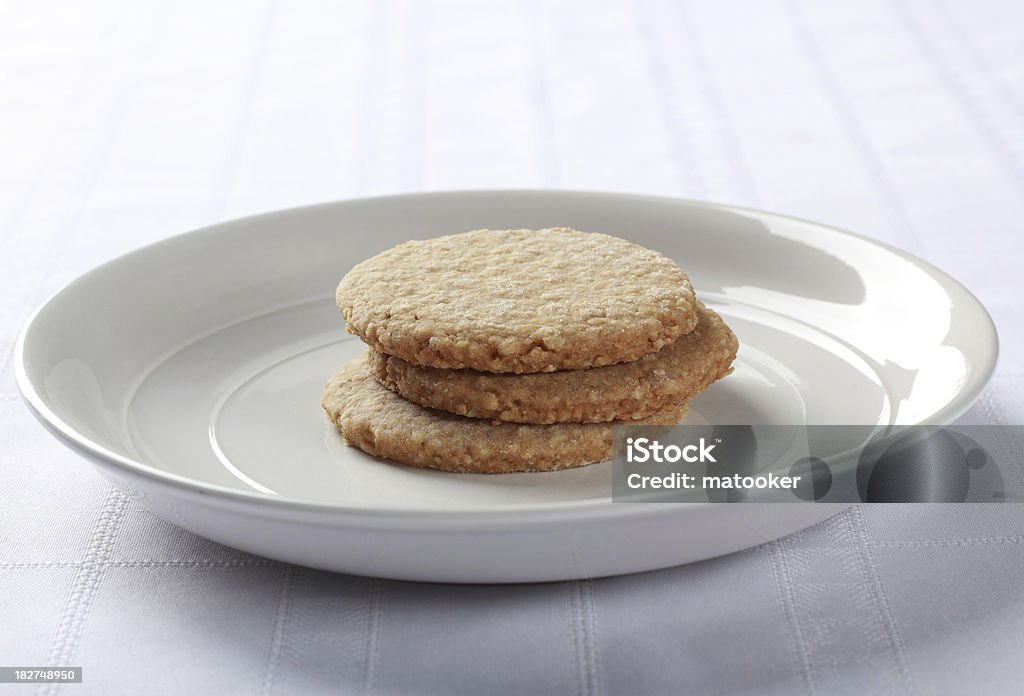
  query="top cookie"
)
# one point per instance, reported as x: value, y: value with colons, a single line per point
x: 518, y: 301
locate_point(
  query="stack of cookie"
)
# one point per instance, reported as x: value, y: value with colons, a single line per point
x: 518, y: 350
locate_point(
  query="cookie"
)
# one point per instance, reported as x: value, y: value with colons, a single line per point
x: 381, y: 423
x: 627, y: 391
x: 518, y: 301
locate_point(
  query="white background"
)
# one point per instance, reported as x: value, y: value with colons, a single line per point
x: 122, y: 123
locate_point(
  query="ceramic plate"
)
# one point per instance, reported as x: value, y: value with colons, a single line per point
x: 190, y: 372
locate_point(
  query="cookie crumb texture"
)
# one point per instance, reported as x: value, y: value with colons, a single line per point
x: 653, y: 384
x: 518, y: 301
x: 383, y: 424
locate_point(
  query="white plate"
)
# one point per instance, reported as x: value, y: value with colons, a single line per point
x: 190, y: 372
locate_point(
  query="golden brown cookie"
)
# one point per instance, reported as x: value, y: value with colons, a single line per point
x: 627, y: 391
x: 518, y: 301
x: 383, y: 424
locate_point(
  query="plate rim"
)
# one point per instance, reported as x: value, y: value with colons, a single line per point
x: 577, y: 509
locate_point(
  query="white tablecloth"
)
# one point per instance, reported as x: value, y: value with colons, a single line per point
x: 124, y: 122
